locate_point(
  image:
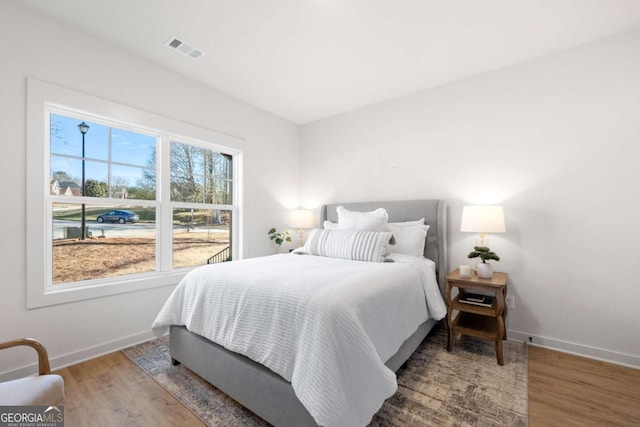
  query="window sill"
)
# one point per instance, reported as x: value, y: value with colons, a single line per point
x: 38, y: 296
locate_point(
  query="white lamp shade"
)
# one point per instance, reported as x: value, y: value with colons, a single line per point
x: 301, y: 218
x: 483, y: 219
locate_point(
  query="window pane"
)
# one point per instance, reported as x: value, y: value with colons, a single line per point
x: 145, y: 186
x: 200, y: 175
x: 66, y: 138
x: 200, y: 235
x: 66, y: 177
x: 222, y: 193
x: 131, y: 182
x: 121, y: 240
x: 222, y: 174
x: 186, y: 159
x: 133, y: 148
x: 96, y: 179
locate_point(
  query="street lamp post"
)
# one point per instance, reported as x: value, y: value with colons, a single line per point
x: 84, y: 128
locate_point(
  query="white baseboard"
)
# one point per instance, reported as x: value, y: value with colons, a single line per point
x: 59, y: 362
x: 79, y: 356
x: 623, y: 359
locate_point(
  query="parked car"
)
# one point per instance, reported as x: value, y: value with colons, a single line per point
x: 118, y: 216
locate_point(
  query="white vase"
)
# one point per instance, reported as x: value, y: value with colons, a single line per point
x: 484, y: 270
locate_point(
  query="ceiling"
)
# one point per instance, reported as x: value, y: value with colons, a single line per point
x: 305, y: 60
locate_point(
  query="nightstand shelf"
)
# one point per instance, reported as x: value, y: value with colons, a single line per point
x: 475, y: 320
x: 476, y: 325
x: 477, y: 309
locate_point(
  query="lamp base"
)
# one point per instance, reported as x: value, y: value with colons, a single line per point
x: 482, y: 240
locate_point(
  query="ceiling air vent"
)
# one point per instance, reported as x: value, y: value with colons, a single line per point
x: 184, y: 48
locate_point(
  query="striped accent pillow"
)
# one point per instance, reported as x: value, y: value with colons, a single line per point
x: 348, y: 244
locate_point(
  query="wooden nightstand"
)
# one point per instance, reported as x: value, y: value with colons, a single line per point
x: 474, y: 320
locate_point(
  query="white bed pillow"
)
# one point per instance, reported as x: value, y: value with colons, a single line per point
x: 330, y: 225
x: 408, y: 223
x: 357, y: 245
x: 409, y: 240
x: 370, y: 221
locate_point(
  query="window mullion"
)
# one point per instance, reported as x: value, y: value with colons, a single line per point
x: 236, y: 236
x: 164, y: 249
x: 109, y: 189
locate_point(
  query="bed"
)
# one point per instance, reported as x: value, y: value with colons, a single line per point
x: 270, y: 395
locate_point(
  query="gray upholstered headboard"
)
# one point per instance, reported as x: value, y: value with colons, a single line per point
x: 433, y: 211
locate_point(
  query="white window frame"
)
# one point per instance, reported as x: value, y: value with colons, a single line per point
x: 45, y: 98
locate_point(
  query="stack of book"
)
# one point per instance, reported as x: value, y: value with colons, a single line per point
x: 477, y: 299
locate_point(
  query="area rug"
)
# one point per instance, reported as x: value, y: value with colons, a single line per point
x: 436, y: 388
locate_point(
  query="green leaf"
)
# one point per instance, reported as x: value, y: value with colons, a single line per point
x: 484, y: 253
x: 279, y: 238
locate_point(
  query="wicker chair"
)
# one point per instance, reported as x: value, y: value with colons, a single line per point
x: 43, y: 389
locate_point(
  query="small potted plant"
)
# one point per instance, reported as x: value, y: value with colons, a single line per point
x: 279, y: 237
x: 484, y: 268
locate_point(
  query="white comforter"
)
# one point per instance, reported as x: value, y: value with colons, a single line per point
x: 326, y: 325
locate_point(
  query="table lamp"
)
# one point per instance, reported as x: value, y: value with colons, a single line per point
x: 301, y: 219
x: 482, y: 219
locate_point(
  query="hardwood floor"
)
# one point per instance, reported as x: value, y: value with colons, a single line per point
x: 564, y: 390
x: 112, y: 391
x: 568, y: 390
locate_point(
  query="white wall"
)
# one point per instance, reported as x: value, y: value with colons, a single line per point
x: 557, y: 142
x: 34, y: 46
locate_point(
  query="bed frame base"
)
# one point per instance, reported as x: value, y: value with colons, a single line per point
x: 255, y: 387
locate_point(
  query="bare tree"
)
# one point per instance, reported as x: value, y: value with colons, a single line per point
x: 185, y: 160
x: 197, y: 175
